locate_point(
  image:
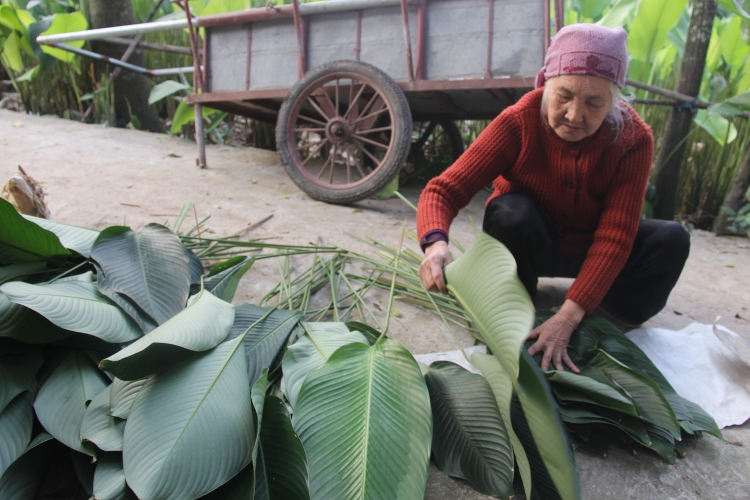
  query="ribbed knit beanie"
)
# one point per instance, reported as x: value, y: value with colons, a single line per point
x: 587, y: 49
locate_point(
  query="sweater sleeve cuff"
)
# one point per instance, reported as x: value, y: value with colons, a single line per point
x: 586, y: 300
x: 431, y: 237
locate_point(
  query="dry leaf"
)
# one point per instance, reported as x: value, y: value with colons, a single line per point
x: 17, y: 124
x: 283, y: 196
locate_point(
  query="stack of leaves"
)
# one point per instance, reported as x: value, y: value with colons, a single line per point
x: 195, y: 397
x: 620, y: 396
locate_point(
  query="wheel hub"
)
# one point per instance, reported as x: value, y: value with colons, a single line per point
x: 337, y: 130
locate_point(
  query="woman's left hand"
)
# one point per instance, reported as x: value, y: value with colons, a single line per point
x: 554, y: 334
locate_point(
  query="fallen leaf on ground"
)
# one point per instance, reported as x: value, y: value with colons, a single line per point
x: 17, y: 124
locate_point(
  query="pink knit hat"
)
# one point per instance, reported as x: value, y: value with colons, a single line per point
x: 587, y: 49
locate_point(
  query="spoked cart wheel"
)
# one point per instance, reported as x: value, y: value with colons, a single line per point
x: 437, y: 140
x: 344, y: 131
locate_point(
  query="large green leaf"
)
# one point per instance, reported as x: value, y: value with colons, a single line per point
x: 652, y: 404
x: 648, y: 32
x: 284, y: 461
x: 599, y: 393
x: 258, y: 396
x: 630, y: 425
x: 16, y: 272
x: 98, y: 427
x: 734, y: 49
x: 502, y: 388
x: 122, y: 397
x: 75, y: 305
x: 223, y: 279
x: 199, y: 327
x: 21, y: 323
x: 65, y: 23
x: 75, y: 238
x: 264, y: 340
x: 22, y: 479
x: 17, y: 374
x: 735, y: 7
x: 469, y: 438
x: 312, y: 351
x: 15, y: 429
x: 24, y: 241
x: 590, y: 9
x: 62, y: 399
x: 240, y: 487
x: 109, y: 478
x: 365, y: 422
x: 147, y: 270
x: 190, y: 429
x: 547, y: 430
x: 732, y: 106
x: 722, y: 130
x: 166, y: 89
x: 485, y: 282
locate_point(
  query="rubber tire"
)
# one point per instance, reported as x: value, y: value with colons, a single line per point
x: 379, y: 179
x: 455, y: 138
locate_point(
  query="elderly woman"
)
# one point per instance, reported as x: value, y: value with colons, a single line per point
x: 569, y: 163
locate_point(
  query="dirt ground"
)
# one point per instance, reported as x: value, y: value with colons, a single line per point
x: 96, y: 177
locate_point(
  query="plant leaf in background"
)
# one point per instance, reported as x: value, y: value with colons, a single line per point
x: 109, y: 478
x: 485, y: 282
x: 165, y: 89
x: 123, y: 395
x: 148, y: 268
x: 65, y: 23
x: 282, y: 454
x: 648, y: 32
x: 469, y: 437
x: 185, y: 114
x: 15, y: 429
x: 22, y: 479
x: 721, y: 129
x: 14, y: 272
x: 732, y: 106
x: 199, y: 327
x: 365, y: 422
x: 98, y: 427
x: 312, y: 351
x: 734, y: 49
x: 12, y: 52
x: 618, y: 13
x: 547, y: 433
x: 20, y: 323
x: 24, y: 241
x: 29, y: 75
x: 191, y: 427
x: 75, y: 305
x: 74, y: 238
x: 734, y: 7
x: 502, y: 388
x: 62, y: 399
x: 223, y: 279
x: 590, y: 9
x: 17, y: 374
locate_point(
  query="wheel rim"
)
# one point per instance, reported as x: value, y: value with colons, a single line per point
x: 341, y: 130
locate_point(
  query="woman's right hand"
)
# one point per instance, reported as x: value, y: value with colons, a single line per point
x: 437, y: 256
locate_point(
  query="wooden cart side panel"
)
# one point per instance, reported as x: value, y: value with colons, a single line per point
x: 227, y: 58
x: 383, y: 40
x: 331, y: 37
x: 458, y: 36
x: 518, y: 43
x: 274, y: 56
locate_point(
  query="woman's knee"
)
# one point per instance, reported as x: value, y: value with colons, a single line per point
x: 674, y: 239
x: 511, y: 212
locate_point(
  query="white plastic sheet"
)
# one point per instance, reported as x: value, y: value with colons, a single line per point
x: 700, y: 368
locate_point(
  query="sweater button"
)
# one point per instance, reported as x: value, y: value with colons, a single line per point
x: 574, y: 146
x: 569, y: 184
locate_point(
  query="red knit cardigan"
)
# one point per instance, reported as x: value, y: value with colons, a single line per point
x: 593, y: 189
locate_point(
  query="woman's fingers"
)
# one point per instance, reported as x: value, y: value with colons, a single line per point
x: 570, y: 363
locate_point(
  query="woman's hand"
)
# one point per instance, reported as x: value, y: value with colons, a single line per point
x: 437, y: 256
x: 554, y: 335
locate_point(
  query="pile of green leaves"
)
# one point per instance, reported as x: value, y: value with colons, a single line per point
x: 125, y: 365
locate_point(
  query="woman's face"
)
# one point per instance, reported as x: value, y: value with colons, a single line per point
x: 577, y: 105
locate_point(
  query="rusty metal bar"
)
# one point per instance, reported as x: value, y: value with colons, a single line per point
x: 421, y: 37
x: 407, y: 39
x: 116, y: 62
x: 547, y: 20
x: 205, y: 54
x: 298, y: 31
x: 249, y: 52
x: 162, y: 47
x: 490, y: 33
x: 559, y: 15
x: 358, y: 45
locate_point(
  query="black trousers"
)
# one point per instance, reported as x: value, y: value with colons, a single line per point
x: 640, y: 290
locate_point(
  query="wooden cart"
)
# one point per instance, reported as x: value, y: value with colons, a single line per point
x: 344, y: 80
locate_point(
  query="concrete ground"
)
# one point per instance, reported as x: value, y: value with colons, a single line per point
x: 96, y: 177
